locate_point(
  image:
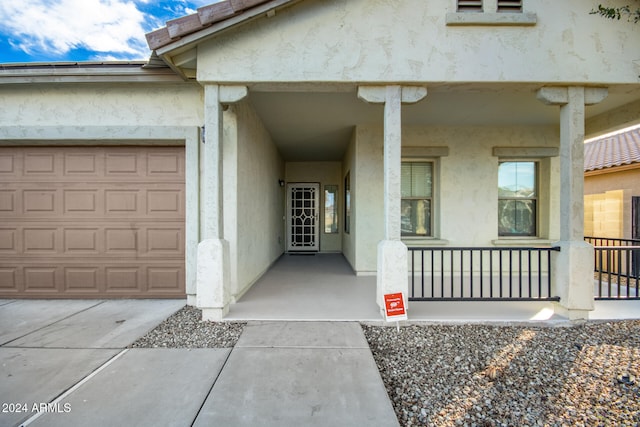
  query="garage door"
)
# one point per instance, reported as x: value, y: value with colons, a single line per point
x: 91, y: 222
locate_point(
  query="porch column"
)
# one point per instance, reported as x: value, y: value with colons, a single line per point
x: 392, y: 274
x: 213, y: 282
x: 573, y: 265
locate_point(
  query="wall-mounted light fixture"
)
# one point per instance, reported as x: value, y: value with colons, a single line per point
x: 281, y: 182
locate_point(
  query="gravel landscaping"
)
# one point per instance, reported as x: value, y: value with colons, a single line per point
x: 184, y: 329
x: 482, y: 375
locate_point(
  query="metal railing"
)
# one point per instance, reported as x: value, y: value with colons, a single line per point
x: 617, y: 268
x: 480, y: 274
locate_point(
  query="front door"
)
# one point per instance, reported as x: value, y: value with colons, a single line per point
x: 303, y: 201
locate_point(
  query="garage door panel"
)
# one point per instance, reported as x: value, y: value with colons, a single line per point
x: 40, y: 240
x: 41, y: 279
x: 40, y: 202
x: 8, y: 202
x: 41, y: 163
x: 121, y: 240
x: 124, y: 164
x: 92, y: 221
x: 165, y: 165
x: 81, y: 240
x: 122, y: 201
x: 8, y: 241
x: 81, y: 202
x: 9, y: 280
x: 123, y: 278
x: 7, y: 164
x: 81, y: 164
x: 82, y: 279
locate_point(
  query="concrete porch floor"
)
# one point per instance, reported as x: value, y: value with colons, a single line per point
x: 324, y: 287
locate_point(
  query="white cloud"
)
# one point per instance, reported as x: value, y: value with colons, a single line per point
x: 112, y: 28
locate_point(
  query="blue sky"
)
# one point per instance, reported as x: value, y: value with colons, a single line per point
x: 84, y: 30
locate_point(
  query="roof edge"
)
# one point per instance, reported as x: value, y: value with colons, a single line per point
x: 244, y: 10
x: 72, y: 72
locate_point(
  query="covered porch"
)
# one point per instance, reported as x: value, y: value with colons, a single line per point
x: 324, y: 287
x: 356, y: 139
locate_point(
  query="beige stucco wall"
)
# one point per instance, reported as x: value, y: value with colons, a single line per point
x: 608, y: 203
x: 101, y: 105
x: 256, y: 234
x: 604, y: 214
x: 466, y: 186
x: 332, y: 41
x: 325, y: 173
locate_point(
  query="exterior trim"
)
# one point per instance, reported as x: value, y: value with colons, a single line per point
x: 525, y: 152
x: 485, y: 18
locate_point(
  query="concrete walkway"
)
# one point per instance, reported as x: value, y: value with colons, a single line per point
x: 68, y: 359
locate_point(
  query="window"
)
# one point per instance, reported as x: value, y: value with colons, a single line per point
x: 347, y: 203
x: 517, y: 198
x: 417, y: 198
x: 330, y: 209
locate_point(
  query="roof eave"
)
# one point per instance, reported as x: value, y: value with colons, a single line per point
x: 612, y: 169
x: 84, y: 72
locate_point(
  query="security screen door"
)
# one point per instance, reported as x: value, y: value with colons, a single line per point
x: 302, y: 217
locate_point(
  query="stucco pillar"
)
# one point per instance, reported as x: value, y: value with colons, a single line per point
x: 213, y: 275
x: 573, y: 265
x: 392, y: 267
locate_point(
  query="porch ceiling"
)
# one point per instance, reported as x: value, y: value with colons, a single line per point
x: 317, y: 125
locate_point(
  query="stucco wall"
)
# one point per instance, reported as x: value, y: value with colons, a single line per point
x: 368, y: 220
x: 466, y: 185
x: 332, y: 41
x: 101, y: 105
x: 608, y: 202
x: 325, y: 173
x: 348, y: 166
x: 259, y: 205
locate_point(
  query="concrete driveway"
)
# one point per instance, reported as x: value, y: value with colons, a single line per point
x: 49, y: 347
x: 66, y: 363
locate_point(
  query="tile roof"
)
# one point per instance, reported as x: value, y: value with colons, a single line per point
x: 205, y: 17
x: 613, y: 150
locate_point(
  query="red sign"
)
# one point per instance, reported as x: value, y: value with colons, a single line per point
x: 394, y: 307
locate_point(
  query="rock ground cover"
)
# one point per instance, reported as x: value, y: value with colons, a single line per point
x: 184, y: 329
x: 480, y: 375
x: 485, y: 375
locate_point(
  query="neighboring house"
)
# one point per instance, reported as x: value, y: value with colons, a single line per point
x: 612, y: 185
x: 415, y: 123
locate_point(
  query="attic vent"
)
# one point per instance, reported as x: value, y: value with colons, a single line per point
x: 469, y: 5
x: 509, y: 6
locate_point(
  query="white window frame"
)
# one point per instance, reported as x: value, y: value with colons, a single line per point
x: 434, y: 198
x: 536, y: 234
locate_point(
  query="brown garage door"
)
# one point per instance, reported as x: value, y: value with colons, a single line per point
x: 78, y: 222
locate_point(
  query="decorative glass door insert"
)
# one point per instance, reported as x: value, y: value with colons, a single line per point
x: 302, y: 217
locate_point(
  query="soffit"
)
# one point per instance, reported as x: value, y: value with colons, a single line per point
x: 318, y: 124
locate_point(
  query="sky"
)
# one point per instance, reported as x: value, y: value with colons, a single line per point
x: 84, y: 30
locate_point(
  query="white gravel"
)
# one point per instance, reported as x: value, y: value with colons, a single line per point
x: 482, y: 375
